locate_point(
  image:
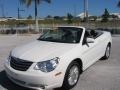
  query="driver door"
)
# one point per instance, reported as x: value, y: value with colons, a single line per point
x: 88, y: 51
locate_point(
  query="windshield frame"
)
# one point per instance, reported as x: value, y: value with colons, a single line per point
x: 70, y: 29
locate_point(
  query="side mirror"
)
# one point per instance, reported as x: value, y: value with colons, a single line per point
x: 90, y: 40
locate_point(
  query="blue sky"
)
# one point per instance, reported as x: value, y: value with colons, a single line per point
x: 59, y: 7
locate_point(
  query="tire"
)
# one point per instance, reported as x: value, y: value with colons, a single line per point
x: 72, y: 76
x: 107, y: 52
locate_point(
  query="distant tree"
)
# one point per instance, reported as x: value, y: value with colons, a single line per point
x: 57, y: 17
x: 29, y: 17
x: 69, y: 18
x: 49, y: 16
x: 118, y: 5
x: 105, y: 16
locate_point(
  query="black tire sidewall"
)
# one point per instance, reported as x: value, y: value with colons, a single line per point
x: 108, y: 46
x: 66, y: 85
x: 105, y: 57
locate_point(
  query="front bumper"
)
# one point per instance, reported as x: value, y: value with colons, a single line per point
x: 33, y: 78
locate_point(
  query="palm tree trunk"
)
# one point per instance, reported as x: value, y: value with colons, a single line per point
x: 86, y: 10
x: 36, y: 18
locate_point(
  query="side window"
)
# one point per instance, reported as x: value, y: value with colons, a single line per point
x: 93, y: 34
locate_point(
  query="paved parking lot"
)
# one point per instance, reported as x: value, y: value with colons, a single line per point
x: 103, y: 75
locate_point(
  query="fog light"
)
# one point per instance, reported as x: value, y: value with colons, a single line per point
x: 37, y: 85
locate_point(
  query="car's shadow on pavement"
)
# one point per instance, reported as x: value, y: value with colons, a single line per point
x: 6, y: 84
x: 59, y: 89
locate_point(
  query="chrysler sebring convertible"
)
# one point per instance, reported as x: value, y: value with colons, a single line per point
x: 58, y: 57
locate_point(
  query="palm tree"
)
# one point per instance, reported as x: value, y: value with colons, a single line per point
x: 36, y: 2
x: 118, y: 5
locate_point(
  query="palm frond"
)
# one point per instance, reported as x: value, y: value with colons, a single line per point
x: 26, y: 2
x: 38, y: 1
x: 22, y: 1
x: 49, y: 1
x: 118, y: 5
x: 29, y: 2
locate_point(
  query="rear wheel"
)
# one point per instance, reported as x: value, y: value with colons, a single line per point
x: 107, y: 52
x: 71, y: 76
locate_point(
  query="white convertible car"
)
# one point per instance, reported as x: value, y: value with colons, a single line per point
x: 57, y: 58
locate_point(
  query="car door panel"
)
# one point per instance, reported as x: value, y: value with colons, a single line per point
x: 89, y: 53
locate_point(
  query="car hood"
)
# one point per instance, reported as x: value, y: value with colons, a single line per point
x: 41, y: 50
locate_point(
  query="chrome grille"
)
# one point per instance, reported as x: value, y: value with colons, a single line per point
x: 19, y: 64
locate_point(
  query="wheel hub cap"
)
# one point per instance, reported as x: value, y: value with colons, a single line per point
x: 73, y: 75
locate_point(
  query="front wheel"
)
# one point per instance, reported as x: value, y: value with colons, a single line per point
x: 71, y: 76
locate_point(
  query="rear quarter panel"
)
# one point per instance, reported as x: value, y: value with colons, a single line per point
x: 104, y: 40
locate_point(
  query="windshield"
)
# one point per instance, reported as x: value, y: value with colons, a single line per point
x: 63, y: 35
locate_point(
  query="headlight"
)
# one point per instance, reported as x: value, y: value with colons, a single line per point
x: 47, y: 66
